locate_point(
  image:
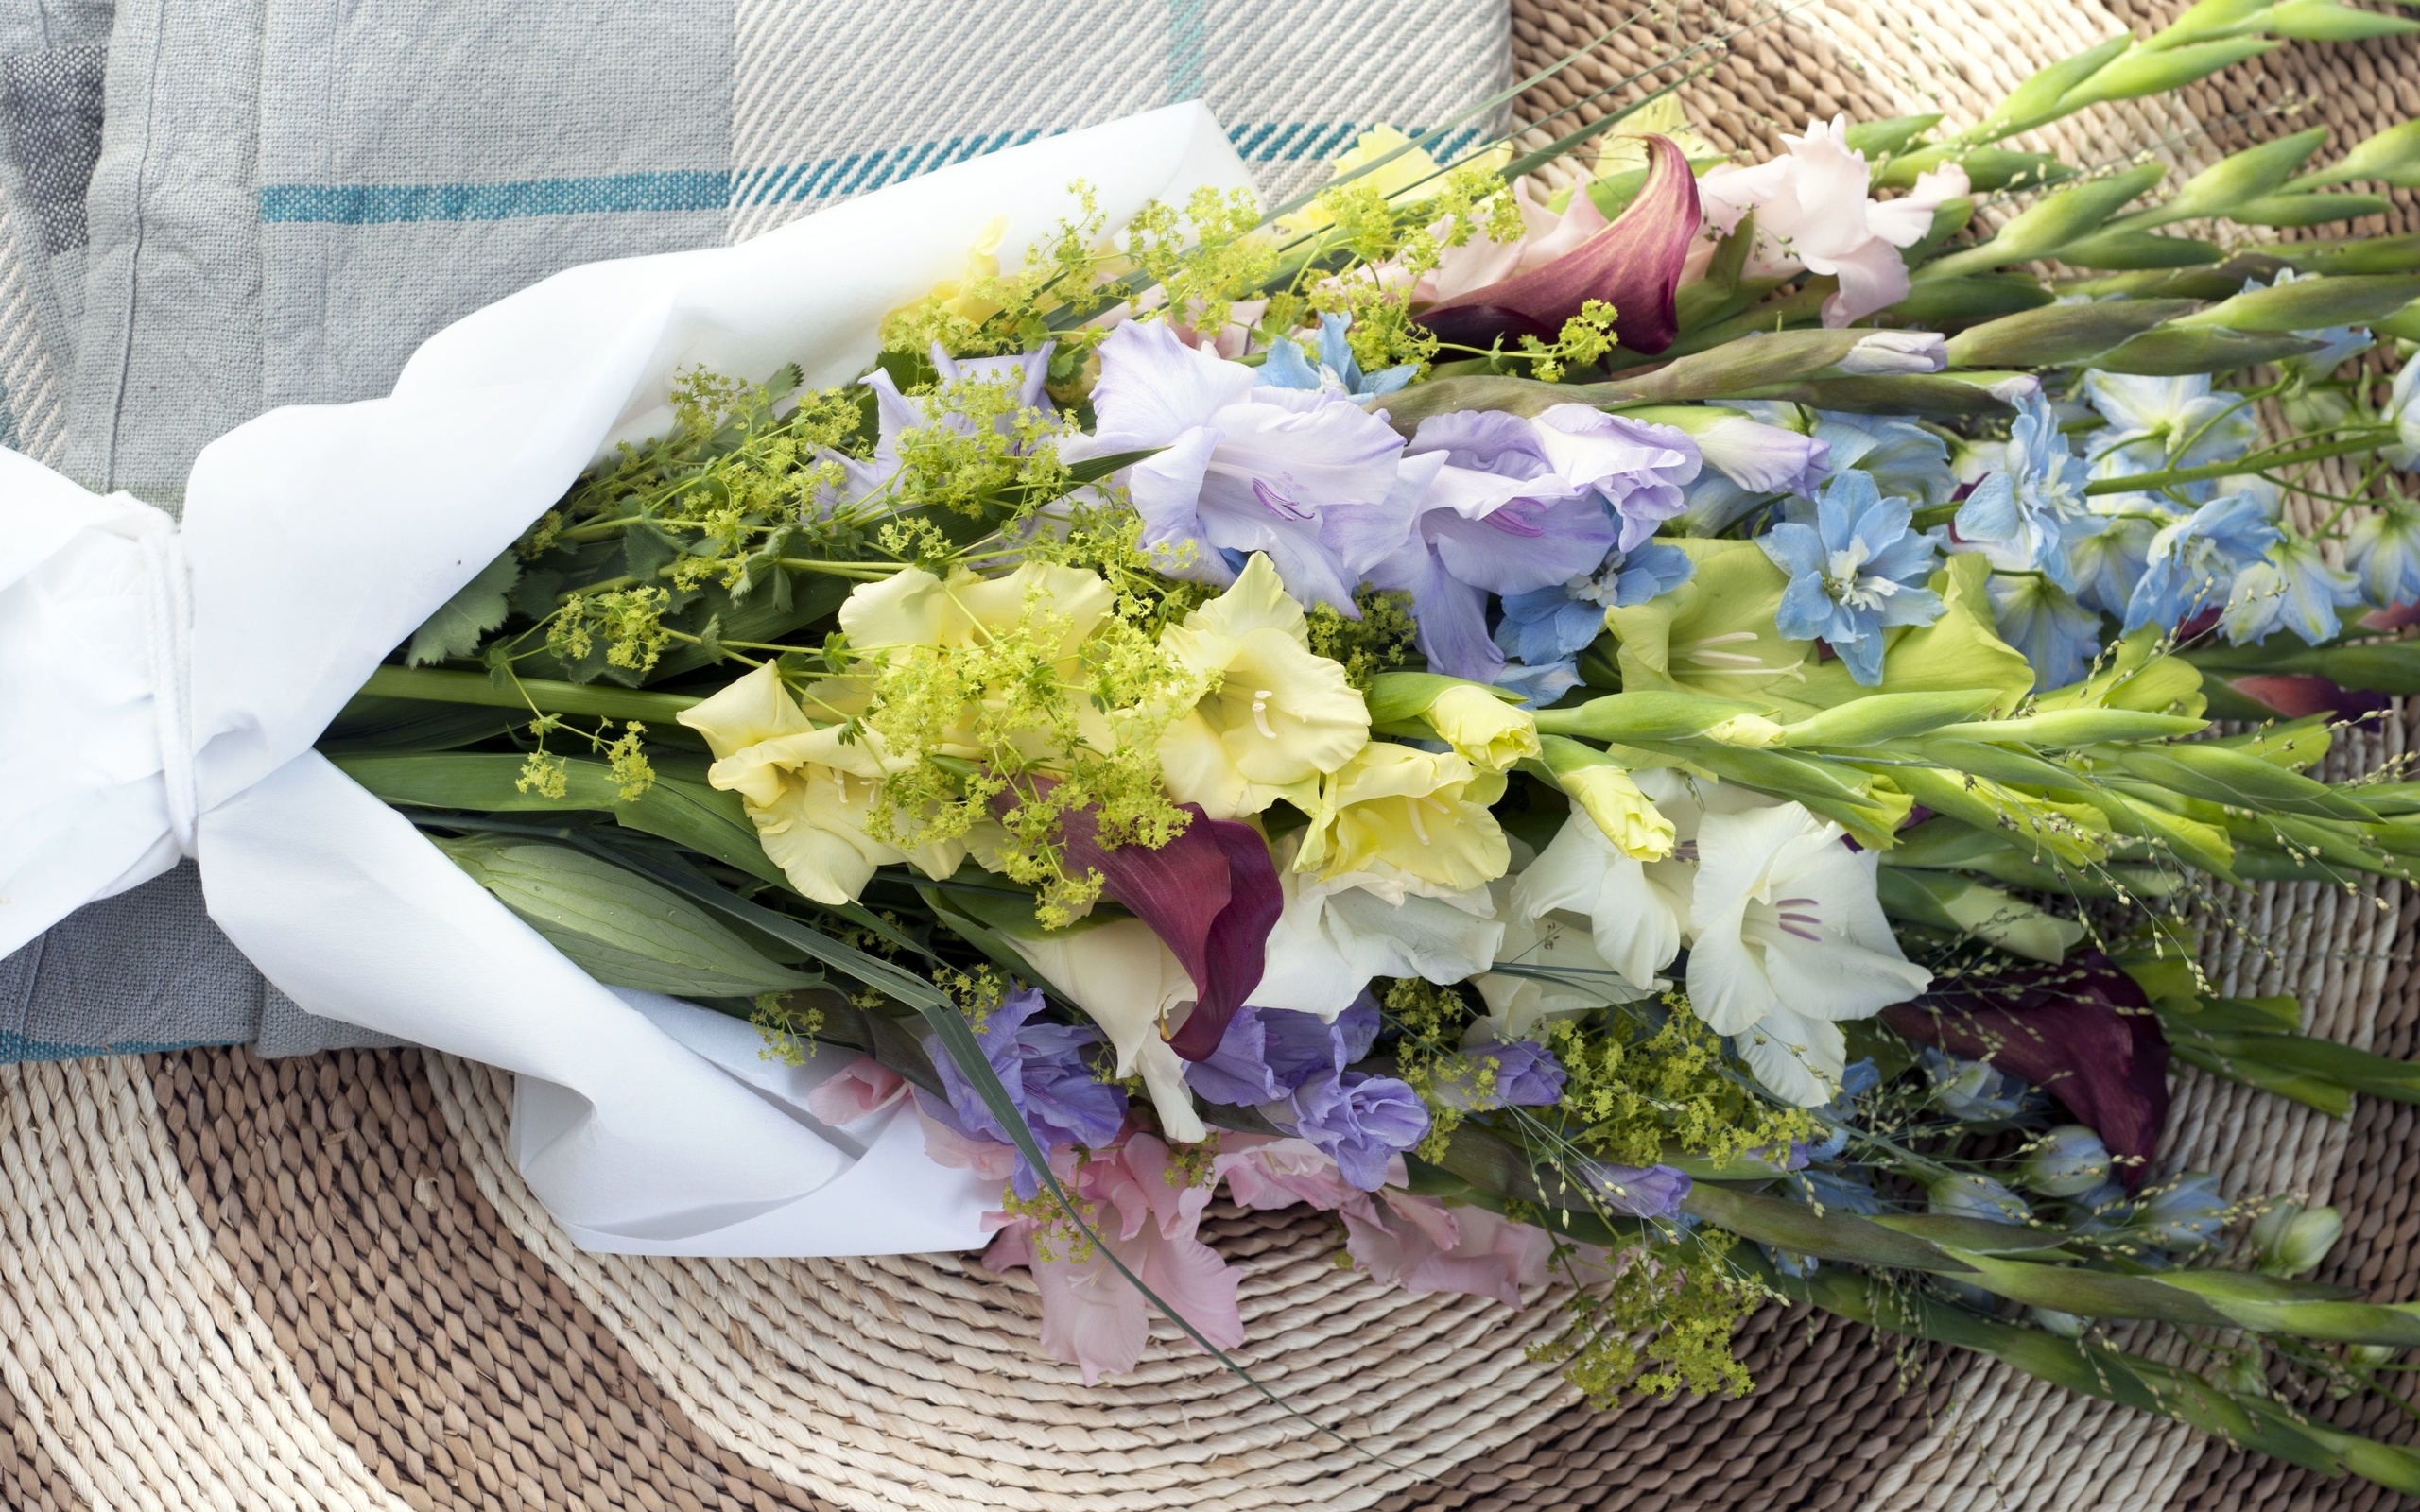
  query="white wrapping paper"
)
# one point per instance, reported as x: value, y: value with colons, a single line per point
x: 161, y: 687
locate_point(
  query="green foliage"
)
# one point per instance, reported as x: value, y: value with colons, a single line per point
x: 1661, y: 1323
x: 1383, y: 639
x: 1631, y: 1090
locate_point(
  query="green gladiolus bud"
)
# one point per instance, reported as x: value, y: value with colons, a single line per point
x: 2059, y: 334
x: 2038, y: 100
x: 1482, y: 723
x: 2232, y: 180
x: 1967, y: 907
x: 2393, y: 157
x: 2309, y: 210
x: 2149, y: 72
x: 2137, y: 250
x: 2066, y: 729
x: 2209, y: 18
x: 1649, y: 714
x: 2172, y: 352
x: 2308, y: 303
x: 2067, y: 215
x: 2246, y: 1373
x: 2068, y: 1161
x: 2292, y: 1240
x: 2326, y: 21
x: 1880, y: 716
x: 1604, y: 791
x: 2066, y: 1325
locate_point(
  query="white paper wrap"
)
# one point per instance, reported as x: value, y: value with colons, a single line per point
x: 161, y: 687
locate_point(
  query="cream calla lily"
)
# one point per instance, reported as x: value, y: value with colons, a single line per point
x: 1131, y: 985
x: 1278, y: 715
x: 810, y: 794
x: 1403, y: 821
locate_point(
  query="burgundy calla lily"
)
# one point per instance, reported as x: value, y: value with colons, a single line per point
x: 2081, y: 1030
x: 1632, y: 265
x: 2300, y: 694
x: 1210, y: 894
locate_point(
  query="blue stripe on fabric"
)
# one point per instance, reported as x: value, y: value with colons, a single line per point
x: 377, y: 204
x: 1188, y: 47
x: 694, y: 189
x: 16, y: 1048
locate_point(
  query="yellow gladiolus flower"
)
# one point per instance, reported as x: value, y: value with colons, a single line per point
x: 1406, y: 821
x: 1279, y: 715
x: 810, y: 794
x: 1483, y: 729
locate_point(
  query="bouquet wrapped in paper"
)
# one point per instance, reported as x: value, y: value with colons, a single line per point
x: 1608, y: 716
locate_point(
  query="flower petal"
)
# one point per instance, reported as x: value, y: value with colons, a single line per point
x: 1634, y: 265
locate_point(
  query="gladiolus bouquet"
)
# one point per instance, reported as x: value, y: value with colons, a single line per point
x: 1614, y: 717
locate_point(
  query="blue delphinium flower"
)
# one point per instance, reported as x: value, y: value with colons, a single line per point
x: 2158, y: 424
x: 1044, y: 1068
x: 2293, y: 587
x: 1856, y: 572
x: 2185, y: 1214
x: 1974, y: 1090
x: 1904, y: 459
x: 2403, y: 412
x: 2384, y: 551
x: 1856, y: 1078
x: 2029, y: 514
x: 1289, y: 368
x: 1547, y: 629
x: 2056, y: 633
x: 2193, y: 563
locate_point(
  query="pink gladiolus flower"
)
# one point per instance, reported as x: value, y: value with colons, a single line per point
x: 1421, y: 1245
x: 862, y: 1089
x: 1633, y: 263
x: 1813, y: 213
x: 1091, y: 1316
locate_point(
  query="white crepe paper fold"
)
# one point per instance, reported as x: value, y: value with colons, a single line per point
x: 161, y: 687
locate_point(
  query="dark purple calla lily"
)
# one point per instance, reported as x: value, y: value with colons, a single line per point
x: 1210, y: 894
x: 2081, y: 1030
x: 1634, y: 265
x: 2300, y: 694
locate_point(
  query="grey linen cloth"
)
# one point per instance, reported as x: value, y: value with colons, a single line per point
x: 209, y: 208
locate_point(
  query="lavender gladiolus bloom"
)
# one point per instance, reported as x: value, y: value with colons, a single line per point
x: 1856, y: 572
x: 1516, y: 506
x: 1309, y: 478
x: 1362, y: 1122
x: 1267, y: 1053
x: 1520, y: 1073
x: 1639, y: 1191
x: 896, y: 413
x: 1042, y: 1066
x: 1764, y: 459
x: 1237, y: 1072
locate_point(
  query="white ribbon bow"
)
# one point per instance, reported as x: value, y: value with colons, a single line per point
x: 161, y: 687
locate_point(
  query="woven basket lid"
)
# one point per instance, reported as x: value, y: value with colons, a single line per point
x: 319, y: 1282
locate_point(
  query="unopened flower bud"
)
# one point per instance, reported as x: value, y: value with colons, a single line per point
x: 1896, y: 351
x: 2187, y: 1213
x: 2069, y: 1162
x: 2292, y: 1240
x: 2246, y: 1372
x: 1752, y: 730
x: 1483, y: 729
x: 1968, y: 1194
x: 1628, y: 817
x: 2066, y: 1325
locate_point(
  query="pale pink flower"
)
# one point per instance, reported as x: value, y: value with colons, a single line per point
x: 1421, y: 1245
x: 861, y: 1089
x: 1813, y: 212
x: 988, y: 1159
x: 1145, y: 1213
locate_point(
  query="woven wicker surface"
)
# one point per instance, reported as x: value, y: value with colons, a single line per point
x: 230, y: 1284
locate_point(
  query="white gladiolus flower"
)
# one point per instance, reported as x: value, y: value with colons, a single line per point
x: 1336, y: 934
x: 1786, y: 940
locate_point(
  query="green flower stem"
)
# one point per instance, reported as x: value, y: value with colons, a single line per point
x: 2095, y: 1370
x: 864, y: 572
x: 2142, y: 482
x: 591, y: 700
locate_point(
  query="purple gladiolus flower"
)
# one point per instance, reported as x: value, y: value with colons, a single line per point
x: 1267, y: 1053
x: 1307, y: 478
x: 896, y: 413
x: 1520, y: 1073
x: 1521, y: 505
x: 1634, y: 265
x: 1362, y: 1121
x: 1042, y: 1066
x: 1642, y: 1192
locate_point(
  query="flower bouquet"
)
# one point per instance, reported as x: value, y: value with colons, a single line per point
x: 1610, y: 716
